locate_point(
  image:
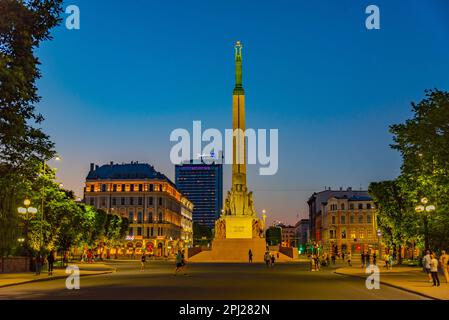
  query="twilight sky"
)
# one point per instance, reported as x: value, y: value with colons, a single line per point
x: 115, y: 89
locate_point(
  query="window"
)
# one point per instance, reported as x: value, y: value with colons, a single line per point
x: 152, y: 231
x: 343, y: 234
x: 368, y: 206
x: 360, y: 218
x: 342, y: 206
x: 114, y: 201
x: 351, y: 206
x: 139, y: 217
x: 131, y: 187
x: 131, y: 231
x: 362, y: 234
x: 131, y: 201
x: 360, y: 206
x: 131, y: 217
x: 368, y: 218
x: 139, y: 231
x: 123, y: 187
x: 92, y: 188
x: 160, y: 201
x: 114, y: 188
x: 139, y: 201
x: 92, y: 201
x: 351, y: 219
x: 148, y: 231
x: 150, y: 201
x: 122, y: 201
x: 343, y: 219
x: 140, y: 187
x: 151, y: 187
x: 333, y: 220
x: 103, y: 202
x: 332, y: 234
x: 160, y: 217
x: 353, y: 235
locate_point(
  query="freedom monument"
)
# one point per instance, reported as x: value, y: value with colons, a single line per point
x: 238, y: 229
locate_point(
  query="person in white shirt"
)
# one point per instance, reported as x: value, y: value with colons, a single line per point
x: 434, y: 270
x: 426, y: 264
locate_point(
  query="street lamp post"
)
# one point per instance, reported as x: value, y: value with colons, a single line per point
x: 27, y: 210
x: 426, y: 208
x: 379, y: 234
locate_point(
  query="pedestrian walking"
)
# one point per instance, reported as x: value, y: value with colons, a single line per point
x: 362, y: 259
x: 390, y: 261
x: 367, y: 259
x: 386, y: 260
x: 434, y: 270
x: 312, y: 262
x: 374, y: 258
x: 349, y: 259
x: 426, y: 265
x: 39, y: 260
x: 272, y: 260
x: 179, y: 262
x: 333, y: 258
x: 267, y: 258
x: 143, y: 258
x: 51, y: 261
x: 343, y: 256
x: 250, y: 256
x: 444, y: 262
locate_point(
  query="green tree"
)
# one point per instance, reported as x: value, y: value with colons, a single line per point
x: 23, y: 26
x: 395, y: 218
x: 423, y: 142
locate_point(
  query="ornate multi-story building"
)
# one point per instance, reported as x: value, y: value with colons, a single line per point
x: 349, y: 225
x: 160, y: 216
x: 345, y: 221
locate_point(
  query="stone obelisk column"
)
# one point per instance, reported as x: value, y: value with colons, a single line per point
x: 238, y: 125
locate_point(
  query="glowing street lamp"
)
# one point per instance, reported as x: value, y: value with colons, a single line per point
x: 427, y: 208
x: 27, y: 210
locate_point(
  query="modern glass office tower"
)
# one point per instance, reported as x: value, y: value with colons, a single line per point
x: 202, y: 184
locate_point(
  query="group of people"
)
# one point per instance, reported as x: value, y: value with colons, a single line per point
x: 269, y: 259
x: 431, y: 264
x: 39, y: 262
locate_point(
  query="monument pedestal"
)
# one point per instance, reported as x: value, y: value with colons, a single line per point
x: 233, y: 250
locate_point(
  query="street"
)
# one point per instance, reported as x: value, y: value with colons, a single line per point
x: 289, y: 281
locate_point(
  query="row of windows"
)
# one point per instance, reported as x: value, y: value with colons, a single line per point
x: 126, y: 187
x: 141, y: 219
x: 360, y: 219
x: 355, y: 234
x: 334, y: 207
x: 125, y: 201
x: 150, y: 232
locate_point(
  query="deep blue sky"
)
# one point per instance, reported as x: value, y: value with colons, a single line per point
x: 136, y: 70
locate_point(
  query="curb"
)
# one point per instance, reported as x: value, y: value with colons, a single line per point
x: 55, y: 278
x: 391, y: 285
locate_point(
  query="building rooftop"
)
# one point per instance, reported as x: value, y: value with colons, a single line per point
x: 355, y: 198
x: 125, y: 171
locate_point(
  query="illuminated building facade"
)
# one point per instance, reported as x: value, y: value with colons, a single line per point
x: 344, y: 221
x: 160, y: 216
